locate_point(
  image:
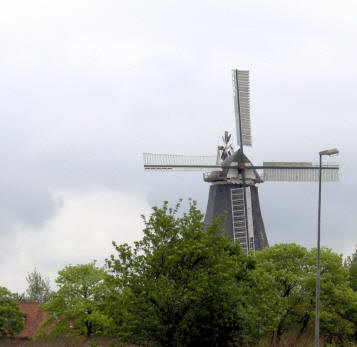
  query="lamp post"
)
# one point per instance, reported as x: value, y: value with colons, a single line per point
x: 328, y: 152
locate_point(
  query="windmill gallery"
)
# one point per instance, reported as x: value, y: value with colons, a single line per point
x: 233, y: 177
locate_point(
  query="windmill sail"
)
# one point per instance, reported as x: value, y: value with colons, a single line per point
x: 155, y: 161
x: 299, y: 172
x: 241, y: 96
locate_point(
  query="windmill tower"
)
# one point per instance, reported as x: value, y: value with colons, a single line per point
x: 233, y: 177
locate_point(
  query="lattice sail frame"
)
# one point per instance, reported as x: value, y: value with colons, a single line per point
x: 241, y: 97
x: 177, y: 162
x: 299, y: 172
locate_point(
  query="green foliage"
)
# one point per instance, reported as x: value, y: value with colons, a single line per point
x: 179, y: 285
x: 285, y: 278
x: 351, y: 264
x: 186, y: 285
x: 276, y: 304
x: 338, y: 304
x: 77, y: 307
x: 11, y: 317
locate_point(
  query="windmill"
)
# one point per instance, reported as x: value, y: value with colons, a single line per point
x: 233, y: 177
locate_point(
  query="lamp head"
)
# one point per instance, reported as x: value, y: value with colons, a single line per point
x: 330, y: 152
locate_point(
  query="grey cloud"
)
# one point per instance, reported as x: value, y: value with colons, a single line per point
x: 28, y: 204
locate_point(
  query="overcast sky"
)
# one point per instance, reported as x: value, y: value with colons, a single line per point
x: 87, y: 86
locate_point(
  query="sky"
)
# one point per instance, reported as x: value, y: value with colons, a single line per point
x: 88, y: 86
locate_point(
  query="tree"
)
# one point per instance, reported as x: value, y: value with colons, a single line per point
x: 11, y: 317
x: 280, y: 276
x: 180, y: 284
x: 351, y: 264
x: 338, y: 302
x: 285, y: 283
x: 77, y: 307
x: 38, y: 287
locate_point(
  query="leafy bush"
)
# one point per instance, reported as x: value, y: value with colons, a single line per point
x: 11, y: 317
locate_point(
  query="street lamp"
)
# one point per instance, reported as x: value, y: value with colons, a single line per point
x: 328, y: 152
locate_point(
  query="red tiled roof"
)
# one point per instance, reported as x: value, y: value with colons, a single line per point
x: 34, y: 318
